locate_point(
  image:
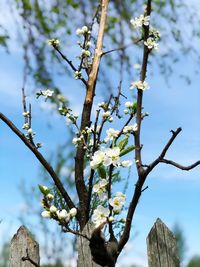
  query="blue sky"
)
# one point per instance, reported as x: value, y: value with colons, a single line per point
x: 173, y: 195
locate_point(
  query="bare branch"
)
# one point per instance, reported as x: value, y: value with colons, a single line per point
x: 41, y: 159
x: 69, y: 62
x: 86, y: 115
x: 110, y: 227
x: 121, y: 47
x: 164, y: 151
x: 67, y: 229
x: 179, y: 166
x: 141, y: 175
x: 24, y: 105
x: 146, y: 51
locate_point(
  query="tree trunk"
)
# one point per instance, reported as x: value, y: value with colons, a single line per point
x: 84, y: 254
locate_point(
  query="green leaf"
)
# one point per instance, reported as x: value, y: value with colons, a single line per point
x: 102, y: 172
x: 134, y: 109
x: 122, y: 143
x: 3, y: 40
x: 44, y: 190
x: 127, y: 150
x: 26, y: 5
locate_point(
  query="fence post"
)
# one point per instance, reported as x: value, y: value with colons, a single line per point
x: 161, y: 247
x: 23, y: 246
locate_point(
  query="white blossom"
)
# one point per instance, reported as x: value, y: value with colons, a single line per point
x: 79, y: 31
x: 63, y: 215
x: 111, y: 156
x: 53, y: 209
x: 139, y: 21
x: 82, y: 31
x: 47, y: 93
x: 151, y: 44
x: 126, y: 163
x: 77, y: 75
x: 92, y: 128
x: 53, y: 42
x: 130, y: 128
x: 140, y: 85
x: 110, y: 119
x: 111, y: 134
x: 106, y: 157
x: 117, y: 202
x: 111, y: 219
x: 129, y: 104
x: 85, y: 53
x: 73, y: 212
x: 100, y: 189
x: 100, y: 215
x: 106, y: 115
x: 46, y: 214
x: 137, y: 66
x: 102, y: 104
x: 97, y: 159
x: 77, y: 140
x: 26, y: 114
x: 154, y: 33
x: 30, y: 131
x: 25, y: 126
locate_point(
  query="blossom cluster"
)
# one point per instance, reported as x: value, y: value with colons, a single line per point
x: 82, y: 31
x: 130, y: 107
x: 108, y: 156
x: 140, y: 21
x: 27, y: 127
x: 105, y: 156
x: 85, y: 48
x: 140, y: 85
x: 154, y: 35
x: 54, y: 42
x: 63, y: 216
x: 106, y: 114
x: 151, y: 43
x: 46, y: 93
x: 103, y: 214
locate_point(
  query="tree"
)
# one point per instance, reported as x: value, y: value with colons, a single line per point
x: 194, y: 262
x: 4, y: 255
x: 98, y: 202
x: 181, y: 244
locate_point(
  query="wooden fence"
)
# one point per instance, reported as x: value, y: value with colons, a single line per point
x: 161, y: 248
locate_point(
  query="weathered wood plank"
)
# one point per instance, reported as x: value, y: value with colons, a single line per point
x: 85, y: 257
x: 161, y: 247
x: 23, y: 245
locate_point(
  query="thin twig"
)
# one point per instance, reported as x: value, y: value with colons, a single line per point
x: 164, y: 151
x: 110, y: 227
x: 179, y: 166
x: 90, y: 184
x: 69, y: 230
x: 121, y: 47
x: 69, y: 62
x: 24, y: 105
x: 27, y: 258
